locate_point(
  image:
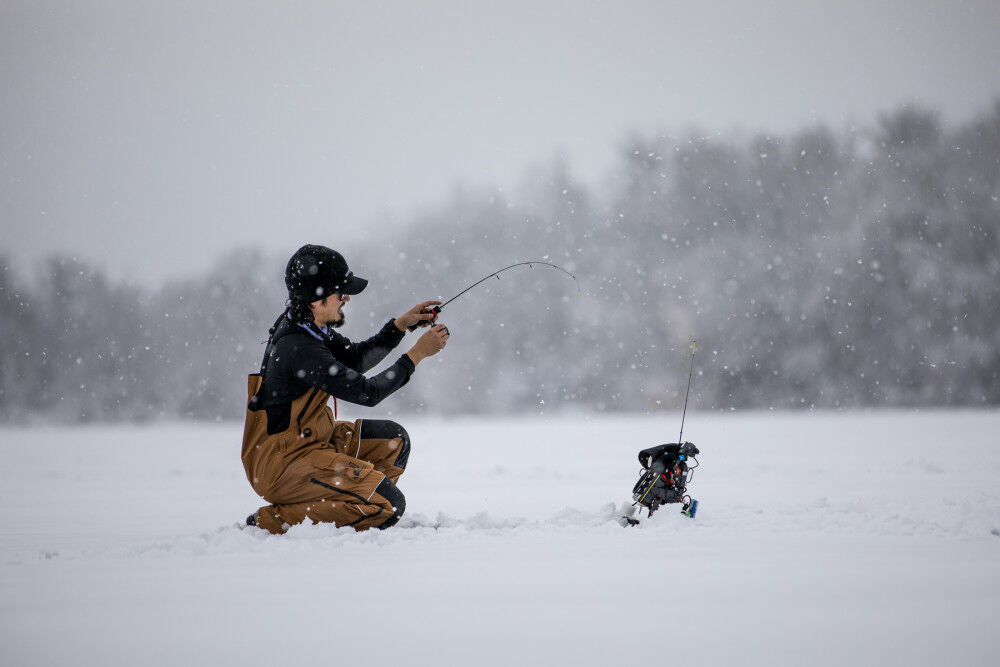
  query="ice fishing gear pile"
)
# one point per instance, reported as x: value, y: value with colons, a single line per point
x: 666, y: 473
x: 667, y: 470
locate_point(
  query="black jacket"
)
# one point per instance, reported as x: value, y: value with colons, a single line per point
x: 300, y: 358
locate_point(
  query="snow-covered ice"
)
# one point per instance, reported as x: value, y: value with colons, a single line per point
x: 821, y: 539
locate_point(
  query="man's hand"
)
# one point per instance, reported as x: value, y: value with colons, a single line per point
x: 420, y: 314
x: 432, y: 342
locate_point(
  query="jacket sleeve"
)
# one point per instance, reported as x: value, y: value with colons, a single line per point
x: 316, y: 366
x: 365, y: 355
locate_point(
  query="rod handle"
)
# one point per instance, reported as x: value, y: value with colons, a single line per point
x: 427, y: 323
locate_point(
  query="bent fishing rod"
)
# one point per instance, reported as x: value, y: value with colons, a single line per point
x: 437, y: 309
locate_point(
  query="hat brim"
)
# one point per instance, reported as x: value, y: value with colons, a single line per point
x: 354, y: 286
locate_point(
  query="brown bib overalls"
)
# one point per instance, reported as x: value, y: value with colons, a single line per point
x: 317, y: 468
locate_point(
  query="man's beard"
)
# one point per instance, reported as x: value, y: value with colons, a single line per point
x: 339, y: 323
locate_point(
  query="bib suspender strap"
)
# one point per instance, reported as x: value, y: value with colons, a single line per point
x: 270, y: 344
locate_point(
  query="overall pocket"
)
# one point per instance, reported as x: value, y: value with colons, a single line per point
x: 346, y: 437
x: 343, y: 468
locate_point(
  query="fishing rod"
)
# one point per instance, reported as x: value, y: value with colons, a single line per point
x: 530, y: 265
x: 680, y: 438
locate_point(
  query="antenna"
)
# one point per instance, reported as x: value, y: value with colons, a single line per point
x: 680, y: 438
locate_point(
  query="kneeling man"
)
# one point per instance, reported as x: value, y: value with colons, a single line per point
x: 297, y: 456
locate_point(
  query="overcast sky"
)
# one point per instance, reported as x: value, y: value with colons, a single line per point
x: 150, y: 137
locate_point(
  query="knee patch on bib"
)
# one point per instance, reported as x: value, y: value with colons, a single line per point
x: 391, y: 492
x: 384, y: 428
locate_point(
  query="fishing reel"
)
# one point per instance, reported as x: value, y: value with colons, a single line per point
x: 666, y: 473
x: 434, y: 311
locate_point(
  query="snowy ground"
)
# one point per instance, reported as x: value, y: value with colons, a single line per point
x: 822, y: 539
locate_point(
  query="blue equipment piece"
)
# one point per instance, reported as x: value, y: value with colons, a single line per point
x: 690, y: 507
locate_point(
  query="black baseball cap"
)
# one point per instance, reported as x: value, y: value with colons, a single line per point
x: 315, y: 272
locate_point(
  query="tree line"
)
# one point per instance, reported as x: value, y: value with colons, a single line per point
x: 829, y: 268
